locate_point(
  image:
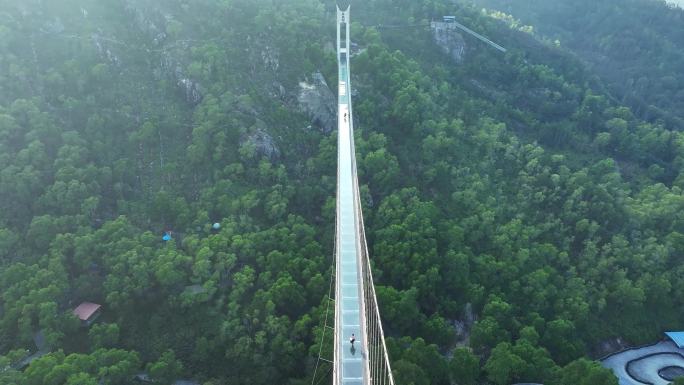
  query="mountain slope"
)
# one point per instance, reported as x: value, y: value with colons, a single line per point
x: 514, y: 206
x: 635, y: 46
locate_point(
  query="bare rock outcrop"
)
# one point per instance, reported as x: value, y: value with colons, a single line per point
x: 101, y: 44
x: 463, y: 326
x: 449, y: 40
x: 318, y: 101
x: 609, y: 346
x: 154, y: 24
x: 263, y: 144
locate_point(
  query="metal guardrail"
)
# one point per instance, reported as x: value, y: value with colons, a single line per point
x: 365, y: 361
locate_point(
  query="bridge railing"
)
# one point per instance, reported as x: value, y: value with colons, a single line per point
x: 376, y: 364
x: 378, y: 359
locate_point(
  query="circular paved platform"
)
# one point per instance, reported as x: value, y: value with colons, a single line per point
x: 646, y: 365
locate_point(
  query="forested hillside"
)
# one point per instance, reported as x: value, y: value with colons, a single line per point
x: 636, y: 46
x: 519, y: 215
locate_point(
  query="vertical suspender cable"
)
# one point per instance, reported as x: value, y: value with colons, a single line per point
x: 325, y: 322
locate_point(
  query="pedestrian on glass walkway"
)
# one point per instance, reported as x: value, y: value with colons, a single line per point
x: 352, y: 339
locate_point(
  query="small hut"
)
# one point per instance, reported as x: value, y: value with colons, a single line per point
x: 87, y: 312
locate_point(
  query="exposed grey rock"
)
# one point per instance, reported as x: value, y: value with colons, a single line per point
x: 143, y: 377
x: 195, y: 289
x: 610, y: 346
x: 155, y: 30
x: 468, y: 316
x: 460, y: 329
x: 357, y: 52
x: 449, y: 40
x: 464, y: 326
x: 104, y: 51
x: 318, y: 101
x: 356, y: 49
x: 193, y: 91
x: 159, y: 38
x: 271, y: 58
x: 263, y: 143
x: 369, y: 200
x: 40, y: 341
x: 277, y: 90
x: 171, y: 65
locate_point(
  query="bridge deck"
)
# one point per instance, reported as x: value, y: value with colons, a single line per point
x: 350, y: 360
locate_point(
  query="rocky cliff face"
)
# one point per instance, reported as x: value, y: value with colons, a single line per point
x: 449, y: 40
x: 263, y: 144
x: 153, y: 24
x: 104, y: 51
x: 190, y: 88
x: 464, y: 326
x: 318, y: 101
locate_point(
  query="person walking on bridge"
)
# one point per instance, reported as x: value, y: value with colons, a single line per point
x: 352, y: 339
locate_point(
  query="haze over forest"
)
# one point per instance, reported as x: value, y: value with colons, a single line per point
x: 175, y: 163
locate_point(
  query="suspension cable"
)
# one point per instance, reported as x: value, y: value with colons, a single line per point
x: 325, y: 322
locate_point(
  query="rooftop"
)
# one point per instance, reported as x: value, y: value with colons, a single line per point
x: 677, y: 338
x: 86, y: 310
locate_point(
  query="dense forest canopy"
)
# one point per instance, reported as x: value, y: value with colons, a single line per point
x: 636, y: 46
x: 521, y: 208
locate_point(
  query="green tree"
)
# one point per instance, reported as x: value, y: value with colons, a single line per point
x: 103, y: 335
x: 583, y: 371
x: 464, y: 367
x: 166, y: 369
x: 504, y: 366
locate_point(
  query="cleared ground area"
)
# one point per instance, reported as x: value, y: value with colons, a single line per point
x: 642, y: 365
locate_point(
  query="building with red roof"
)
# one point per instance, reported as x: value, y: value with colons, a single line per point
x: 87, y: 312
